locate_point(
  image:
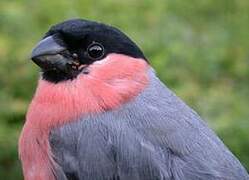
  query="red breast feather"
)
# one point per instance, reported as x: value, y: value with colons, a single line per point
x: 110, y: 83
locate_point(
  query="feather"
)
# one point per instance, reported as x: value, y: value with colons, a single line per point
x: 155, y: 136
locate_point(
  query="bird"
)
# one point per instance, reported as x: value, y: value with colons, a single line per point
x: 100, y: 112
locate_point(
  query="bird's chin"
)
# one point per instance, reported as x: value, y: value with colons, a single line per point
x: 61, y: 72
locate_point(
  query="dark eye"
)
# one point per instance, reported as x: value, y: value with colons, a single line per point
x: 95, y: 50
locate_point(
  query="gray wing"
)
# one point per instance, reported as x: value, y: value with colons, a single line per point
x: 154, y: 137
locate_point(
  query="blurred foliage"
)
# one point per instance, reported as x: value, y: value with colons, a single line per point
x: 200, y: 49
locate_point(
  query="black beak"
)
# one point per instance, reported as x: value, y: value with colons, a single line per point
x: 49, y: 55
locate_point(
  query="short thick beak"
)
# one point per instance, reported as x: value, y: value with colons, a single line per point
x: 47, y: 46
x: 47, y: 55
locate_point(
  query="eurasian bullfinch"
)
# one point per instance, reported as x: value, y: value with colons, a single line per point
x: 100, y: 113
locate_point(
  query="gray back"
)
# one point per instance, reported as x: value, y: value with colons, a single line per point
x: 155, y: 136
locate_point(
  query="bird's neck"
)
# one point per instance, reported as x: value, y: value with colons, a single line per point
x: 109, y: 84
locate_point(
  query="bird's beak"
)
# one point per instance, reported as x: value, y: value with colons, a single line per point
x: 48, y: 55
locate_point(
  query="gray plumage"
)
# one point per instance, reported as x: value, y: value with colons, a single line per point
x: 156, y: 136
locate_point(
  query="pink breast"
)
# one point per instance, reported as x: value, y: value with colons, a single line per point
x: 110, y: 83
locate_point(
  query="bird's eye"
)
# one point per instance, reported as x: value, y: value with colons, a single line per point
x: 95, y: 51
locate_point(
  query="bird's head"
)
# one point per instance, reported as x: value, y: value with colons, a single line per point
x: 70, y: 47
x: 87, y: 67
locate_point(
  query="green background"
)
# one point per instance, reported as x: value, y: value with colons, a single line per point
x: 199, y: 48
